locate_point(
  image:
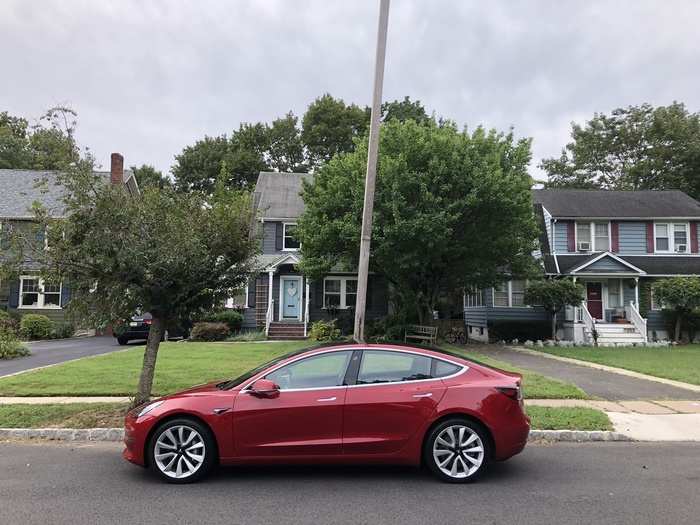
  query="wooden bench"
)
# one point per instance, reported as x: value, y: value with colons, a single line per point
x: 421, y: 333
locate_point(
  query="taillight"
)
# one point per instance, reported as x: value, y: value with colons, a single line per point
x: 148, y: 321
x: 511, y: 392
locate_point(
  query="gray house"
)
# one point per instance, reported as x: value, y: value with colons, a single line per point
x: 280, y: 299
x: 615, y: 243
x: 20, y: 189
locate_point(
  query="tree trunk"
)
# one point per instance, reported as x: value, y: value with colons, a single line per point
x: 149, y: 362
x: 678, y: 328
x: 554, y: 326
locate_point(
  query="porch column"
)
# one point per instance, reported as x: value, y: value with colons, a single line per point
x: 306, y: 305
x: 270, y: 278
x: 636, y: 293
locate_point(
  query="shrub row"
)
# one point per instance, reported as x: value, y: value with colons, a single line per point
x: 33, y: 326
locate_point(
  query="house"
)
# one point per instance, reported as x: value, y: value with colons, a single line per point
x: 20, y: 189
x: 280, y: 299
x: 616, y: 244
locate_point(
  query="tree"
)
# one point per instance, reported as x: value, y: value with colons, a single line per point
x: 330, y: 127
x: 149, y: 177
x: 680, y: 294
x: 404, y: 110
x: 553, y: 295
x: 285, y: 147
x: 452, y: 208
x: 168, y: 253
x: 47, y: 145
x: 638, y: 147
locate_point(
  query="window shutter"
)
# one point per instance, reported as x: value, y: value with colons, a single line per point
x: 571, y: 236
x: 65, y: 294
x: 317, y: 293
x: 650, y: 237
x: 13, y: 300
x: 252, y: 286
x: 278, y: 236
x: 693, y: 237
x: 615, y: 236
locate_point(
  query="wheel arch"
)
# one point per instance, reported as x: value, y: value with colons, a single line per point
x: 171, y: 417
x: 459, y: 415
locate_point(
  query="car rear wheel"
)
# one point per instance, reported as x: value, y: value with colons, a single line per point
x: 457, y: 450
x: 122, y: 340
x: 182, y: 451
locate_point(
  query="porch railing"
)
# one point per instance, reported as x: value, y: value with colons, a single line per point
x: 586, y: 318
x: 634, y: 317
x: 269, y: 316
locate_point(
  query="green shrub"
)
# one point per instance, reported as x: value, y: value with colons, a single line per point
x: 521, y: 330
x: 36, y: 326
x: 10, y: 347
x: 324, y: 331
x: 204, y: 331
x: 9, y: 322
x: 232, y: 318
x: 390, y: 328
x: 63, y: 331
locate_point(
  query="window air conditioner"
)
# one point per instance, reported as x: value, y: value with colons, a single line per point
x: 681, y: 248
x: 584, y: 246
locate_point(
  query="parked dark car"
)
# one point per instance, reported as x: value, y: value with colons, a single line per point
x: 140, y: 325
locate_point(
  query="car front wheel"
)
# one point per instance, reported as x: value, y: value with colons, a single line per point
x: 182, y: 451
x: 122, y: 340
x: 457, y: 450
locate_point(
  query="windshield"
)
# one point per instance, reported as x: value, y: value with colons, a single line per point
x: 244, y: 377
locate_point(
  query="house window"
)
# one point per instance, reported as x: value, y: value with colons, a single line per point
x: 239, y: 300
x: 614, y: 294
x: 289, y: 242
x: 602, y: 237
x: 509, y: 294
x: 583, y: 236
x: 473, y: 299
x: 655, y: 303
x: 339, y: 292
x: 37, y: 293
x: 671, y: 237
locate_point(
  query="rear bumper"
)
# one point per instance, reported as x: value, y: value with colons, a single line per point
x: 512, y: 438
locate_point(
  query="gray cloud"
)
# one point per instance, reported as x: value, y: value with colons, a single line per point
x: 148, y: 78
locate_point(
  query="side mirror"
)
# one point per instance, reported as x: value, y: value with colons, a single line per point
x: 265, y: 388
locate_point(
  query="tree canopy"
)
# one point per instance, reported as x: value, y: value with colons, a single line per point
x: 47, y: 145
x: 680, y: 294
x: 149, y: 177
x: 633, y: 148
x: 452, y: 208
x: 553, y: 295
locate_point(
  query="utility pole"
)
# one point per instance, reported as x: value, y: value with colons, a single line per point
x: 373, y: 150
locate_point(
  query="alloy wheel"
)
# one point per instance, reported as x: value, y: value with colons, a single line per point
x: 458, y: 451
x: 179, y: 451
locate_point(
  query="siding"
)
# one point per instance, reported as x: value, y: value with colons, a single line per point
x: 476, y: 316
x: 607, y: 265
x: 655, y: 321
x: 268, y: 240
x: 627, y: 292
x: 482, y: 315
x: 633, y: 238
x: 560, y: 237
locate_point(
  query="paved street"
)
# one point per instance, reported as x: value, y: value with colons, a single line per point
x: 599, y: 383
x: 57, y: 351
x: 616, y: 483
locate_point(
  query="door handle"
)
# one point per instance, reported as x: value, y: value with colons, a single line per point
x: 327, y: 399
x: 427, y: 394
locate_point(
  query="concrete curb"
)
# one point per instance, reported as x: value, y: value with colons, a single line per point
x: 607, y: 368
x: 117, y: 434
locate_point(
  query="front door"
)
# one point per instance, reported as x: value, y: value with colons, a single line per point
x: 306, y: 419
x: 291, y: 297
x: 594, y: 299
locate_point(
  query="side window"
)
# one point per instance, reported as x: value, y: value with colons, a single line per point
x: 443, y: 368
x: 313, y: 372
x: 379, y: 366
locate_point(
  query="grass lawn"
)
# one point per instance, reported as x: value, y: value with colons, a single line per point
x: 535, y: 386
x: 179, y: 366
x: 681, y: 363
x: 110, y: 415
x: 568, y: 418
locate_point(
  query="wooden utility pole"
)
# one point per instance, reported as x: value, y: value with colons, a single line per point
x: 373, y: 150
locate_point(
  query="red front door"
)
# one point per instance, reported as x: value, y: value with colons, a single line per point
x: 594, y: 299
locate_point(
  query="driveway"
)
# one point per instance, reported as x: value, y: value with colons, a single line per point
x: 57, y: 351
x: 605, y: 385
x: 601, y: 483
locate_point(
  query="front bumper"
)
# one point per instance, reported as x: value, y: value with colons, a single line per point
x: 135, y: 435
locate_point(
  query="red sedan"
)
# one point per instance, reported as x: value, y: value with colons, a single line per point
x: 345, y: 403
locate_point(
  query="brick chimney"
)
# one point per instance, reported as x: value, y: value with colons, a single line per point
x: 116, y: 170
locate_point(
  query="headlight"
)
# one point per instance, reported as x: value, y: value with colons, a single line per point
x: 145, y: 410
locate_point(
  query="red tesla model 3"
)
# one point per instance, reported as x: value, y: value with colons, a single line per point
x: 345, y: 403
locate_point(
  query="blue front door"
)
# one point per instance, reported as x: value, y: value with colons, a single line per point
x: 291, y: 297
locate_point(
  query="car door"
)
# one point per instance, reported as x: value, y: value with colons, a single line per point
x: 393, y: 397
x: 305, y: 419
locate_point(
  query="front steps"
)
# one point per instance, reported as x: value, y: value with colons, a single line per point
x: 286, y: 331
x: 617, y: 333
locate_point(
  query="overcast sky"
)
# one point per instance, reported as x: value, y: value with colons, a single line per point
x: 150, y: 77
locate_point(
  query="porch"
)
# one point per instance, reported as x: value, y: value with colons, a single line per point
x: 282, y: 299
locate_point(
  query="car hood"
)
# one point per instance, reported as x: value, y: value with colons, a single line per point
x: 195, y: 390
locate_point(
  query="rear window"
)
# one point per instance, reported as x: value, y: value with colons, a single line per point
x: 443, y: 368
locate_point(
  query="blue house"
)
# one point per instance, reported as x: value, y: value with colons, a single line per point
x: 616, y: 244
x: 280, y: 299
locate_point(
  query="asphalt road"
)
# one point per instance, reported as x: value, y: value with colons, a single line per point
x: 60, y: 350
x: 615, y: 483
x: 605, y: 385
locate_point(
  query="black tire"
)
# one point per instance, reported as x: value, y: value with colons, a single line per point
x: 122, y: 340
x: 210, y: 457
x: 463, y: 456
